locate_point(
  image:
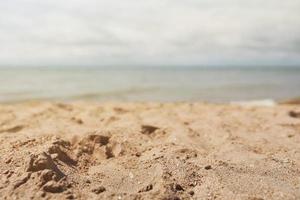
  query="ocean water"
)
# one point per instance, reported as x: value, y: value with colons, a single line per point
x: 173, y: 84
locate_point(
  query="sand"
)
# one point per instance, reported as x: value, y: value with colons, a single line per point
x: 171, y: 151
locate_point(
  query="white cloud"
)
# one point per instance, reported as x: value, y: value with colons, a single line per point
x: 159, y: 32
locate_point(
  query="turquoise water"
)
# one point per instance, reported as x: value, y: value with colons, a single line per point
x: 204, y: 84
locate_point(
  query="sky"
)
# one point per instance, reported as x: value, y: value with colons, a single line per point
x: 149, y: 32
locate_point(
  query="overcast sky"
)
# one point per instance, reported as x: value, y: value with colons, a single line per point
x: 149, y: 32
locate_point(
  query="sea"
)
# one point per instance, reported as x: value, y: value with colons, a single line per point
x: 162, y: 84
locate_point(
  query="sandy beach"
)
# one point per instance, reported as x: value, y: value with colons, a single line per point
x: 170, y: 151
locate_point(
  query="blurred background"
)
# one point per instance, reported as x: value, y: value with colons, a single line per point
x: 158, y: 50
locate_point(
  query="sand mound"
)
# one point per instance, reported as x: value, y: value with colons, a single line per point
x: 149, y: 151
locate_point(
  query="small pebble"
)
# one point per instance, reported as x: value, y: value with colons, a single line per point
x: 178, y: 187
x: 138, y: 154
x: 98, y: 190
x: 7, y: 161
x: 294, y: 114
x: 147, y: 188
x: 208, y: 167
x: 88, y: 181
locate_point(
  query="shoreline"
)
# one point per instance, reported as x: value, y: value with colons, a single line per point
x: 285, y: 101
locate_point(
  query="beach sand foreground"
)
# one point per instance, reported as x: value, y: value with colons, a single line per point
x: 171, y: 151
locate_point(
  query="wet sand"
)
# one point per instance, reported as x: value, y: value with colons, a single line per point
x: 170, y: 151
